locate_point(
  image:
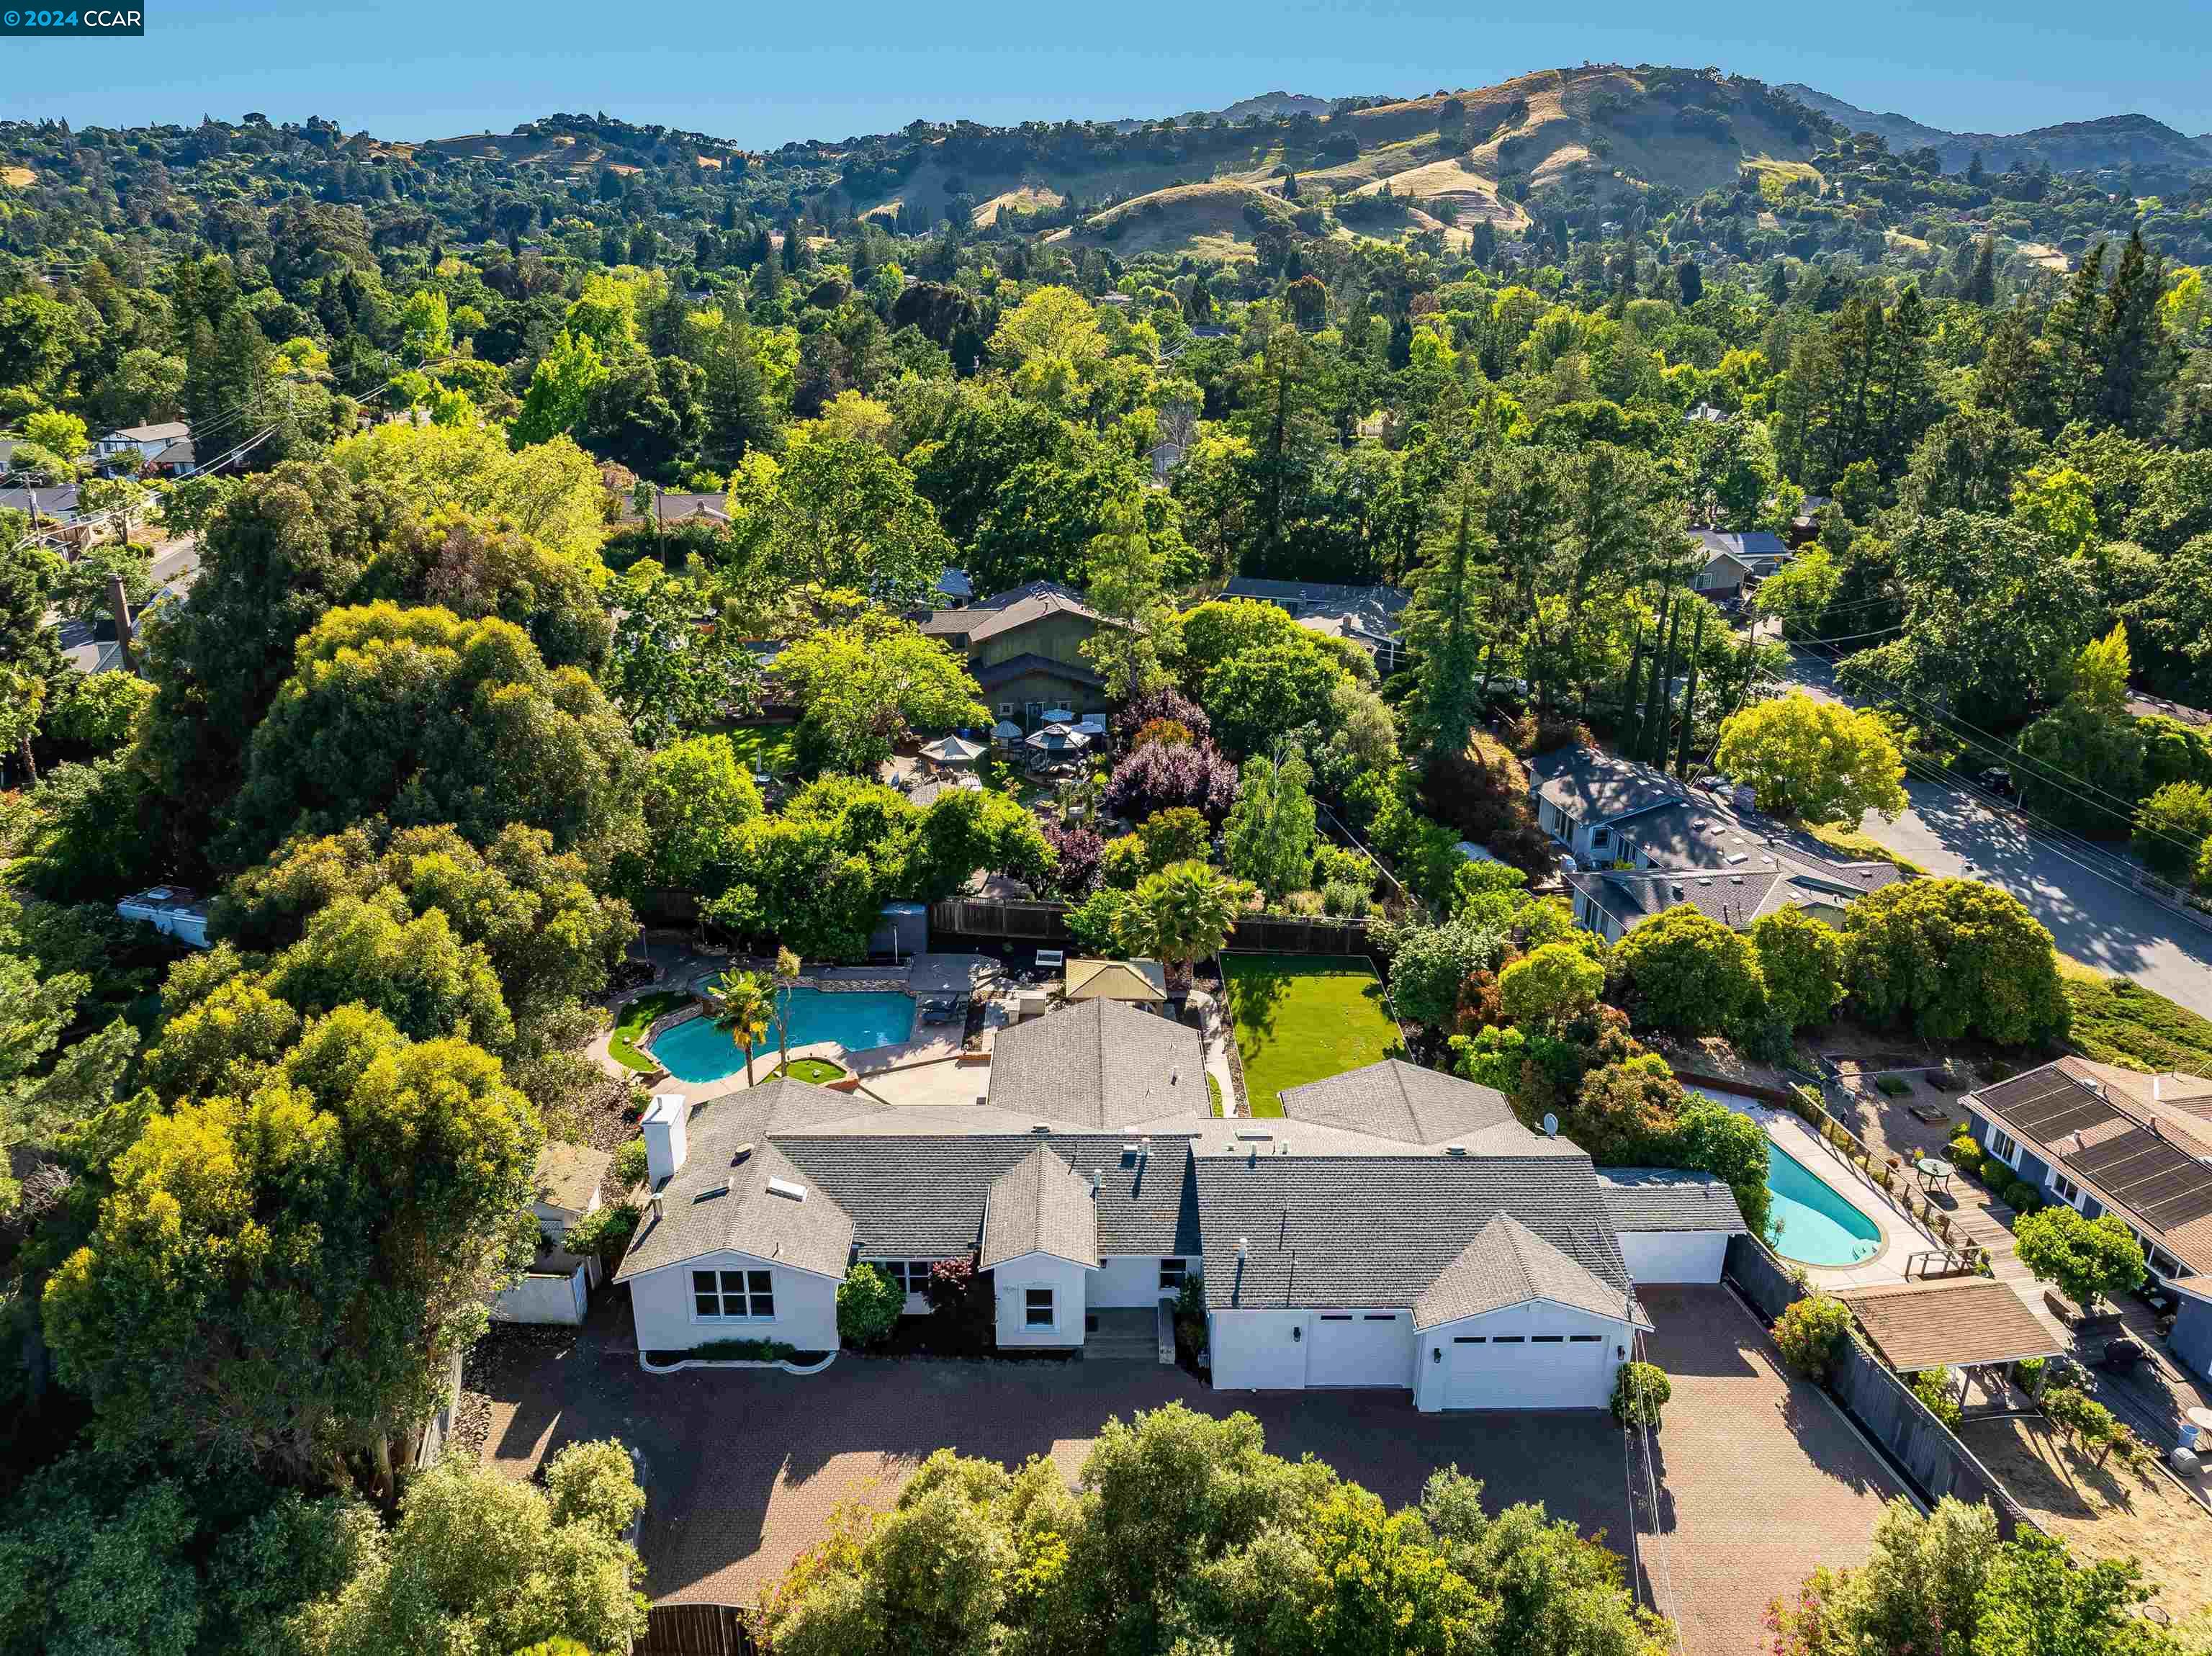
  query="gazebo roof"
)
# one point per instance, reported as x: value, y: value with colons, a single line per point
x: 951, y: 749
x: 1965, y: 1323
x: 1116, y: 980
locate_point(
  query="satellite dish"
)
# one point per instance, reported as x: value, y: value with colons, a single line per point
x: 1550, y: 1125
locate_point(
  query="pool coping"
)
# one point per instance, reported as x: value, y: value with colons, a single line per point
x: 1900, y: 1237
x: 849, y: 1059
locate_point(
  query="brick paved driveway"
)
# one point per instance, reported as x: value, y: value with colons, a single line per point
x: 1761, y: 1478
x: 744, y: 1465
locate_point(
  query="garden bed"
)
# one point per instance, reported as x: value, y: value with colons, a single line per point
x: 1304, y: 1017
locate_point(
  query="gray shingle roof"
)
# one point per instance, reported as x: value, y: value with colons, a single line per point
x: 1040, y: 1205
x: 1595, y: 786
x: 1733, y: 898
x: 734, y: 1208
x: 914, y: 1197
x: 1751, y: 545
x: 1100, y: 1064
x: 1508, y: 1263
x: 1665, y: 1198
x: 1400, y: 1100
x: 1346, y: 1231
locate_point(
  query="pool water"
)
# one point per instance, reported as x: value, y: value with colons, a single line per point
x: 696, y: 1051
x: 1809, y: 1221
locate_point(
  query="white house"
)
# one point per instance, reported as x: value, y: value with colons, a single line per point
x: 171, y: 910
x: 143, y: 441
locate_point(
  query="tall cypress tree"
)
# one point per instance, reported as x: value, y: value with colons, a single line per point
x: 1690, y: 700
x: 1982, y: 284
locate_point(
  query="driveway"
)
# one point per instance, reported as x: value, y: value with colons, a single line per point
x: 1761, y: 1478
x: 2094, y: 916
x: 745, y: 1467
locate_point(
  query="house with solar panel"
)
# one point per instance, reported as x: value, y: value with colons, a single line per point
x: 2102, y: 1139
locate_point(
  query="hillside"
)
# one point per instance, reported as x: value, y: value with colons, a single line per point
x: 2117, y: 142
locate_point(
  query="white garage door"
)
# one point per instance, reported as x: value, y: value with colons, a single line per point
x: 1534, y: 1370
x: 1356, y: 1348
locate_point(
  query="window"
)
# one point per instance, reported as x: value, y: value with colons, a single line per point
x: 1547, y: 1339
x: 1037, y: 1308
x: 723, y: 1295
x: 2001, y: 1146
x: 2065, y: 1190
x: 1600, y: 836
x: 1509, y: 1340
x: 1005, y: 710
x: 1584, y: 1339
x: 1171, y: 1276
x: 911, y: 1274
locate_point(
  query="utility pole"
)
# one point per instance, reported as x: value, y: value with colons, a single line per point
x: 119, y: 602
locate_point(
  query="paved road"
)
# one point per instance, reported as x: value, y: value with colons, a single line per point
x: 2093, y: 918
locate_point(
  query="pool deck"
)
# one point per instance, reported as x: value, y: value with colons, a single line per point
x: 1900, y: 1237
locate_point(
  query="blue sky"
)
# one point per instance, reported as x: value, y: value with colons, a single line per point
x: 762, y: 74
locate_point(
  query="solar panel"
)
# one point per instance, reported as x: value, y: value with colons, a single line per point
x: 2165, y: 1184
x: 2059, y: 1107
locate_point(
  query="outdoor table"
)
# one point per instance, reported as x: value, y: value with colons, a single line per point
x: 1935, y: 1172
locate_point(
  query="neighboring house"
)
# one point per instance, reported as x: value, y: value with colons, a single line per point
x: 568, y: 1181
x: 1368, y: 615
x: 954, y: 587
x: 143, y: 442
x: 1734, y: 564
x: 1398, y: 1230
x: 1024, y: 649
x: 180, y: 459
x: 671, y: 509
x: 1707, y: 414
x: 2102, y: 1140
x: 171, y: 910
x: 1657, y: 844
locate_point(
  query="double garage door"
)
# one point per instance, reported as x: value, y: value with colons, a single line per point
x: 1534, y: 1369
x: 1360, y: 1348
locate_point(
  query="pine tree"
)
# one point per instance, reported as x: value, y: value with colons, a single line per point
x: 2070, y: 338
x: 2137, y: 358
x: 1982, y: 285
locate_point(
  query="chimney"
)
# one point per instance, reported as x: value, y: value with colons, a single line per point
x: 1097, y: 1179
x: 663, y: 1125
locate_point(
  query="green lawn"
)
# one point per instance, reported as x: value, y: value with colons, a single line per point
x: 636, y: 1019
x: 1304, y: 1017
x: 2117, y: 1021
x: 819, y: 1070
x: 770, y: 749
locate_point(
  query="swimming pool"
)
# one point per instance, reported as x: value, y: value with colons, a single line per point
x: 1809, y: 1221
x: 696, y: 1051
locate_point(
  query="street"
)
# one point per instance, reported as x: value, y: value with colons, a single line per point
x: 2093, y: 917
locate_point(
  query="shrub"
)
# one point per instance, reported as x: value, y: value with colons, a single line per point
x: 1640, y: 1390
x: 2028, y: 1371
x: 2020, y: 1196
x: 1965, y: 1155
x: 960, y: 1300
x: 604, y: 1231
x: 595, y: 1483
x: 1190, y: 1317
x: 1933, y: 1387
x: 1893, y: 1086
x: 2088, y: 1423
x: 2172, y: 827
x: 1811, y: 1334
x: 1688, y: 972
x: 746, y: 1350
x: 630, y: 1164
x: 868, y: 1306
x: 1345, y: 898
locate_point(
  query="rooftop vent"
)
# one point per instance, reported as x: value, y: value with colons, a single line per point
x: 785, y: 1189
x: 742, y: 1153
x: 1262, y: 1135
x: 1454, y: 1149
x: 1039, y: 1127
x: 711, y: 1192
x: 1243, y: 1247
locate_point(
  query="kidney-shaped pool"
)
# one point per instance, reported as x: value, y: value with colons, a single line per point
x: 1809, y: 1222
x: 696, y: 1050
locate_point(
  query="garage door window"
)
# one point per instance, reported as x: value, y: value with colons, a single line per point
x: 1509, y: 1340
x: 1471, y: 1339
x: 1584, y: 1339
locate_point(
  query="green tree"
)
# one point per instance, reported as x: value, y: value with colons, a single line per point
x: 1954, y: 958
x: 2085, y: 1258
x: 1550, y: 985
x: 671, y: 674
x: 869, y: 1306
x: 836, y: 514
x: 1182, y: 915
x: 1128, y: 571
x: 1431, y: 962
x: 864, y: 687
x: 1815, y: 759
x: 1446, y: 625
x: 1687, y: 971
x: 1258, y: 696
x: 1801, y: 960
x: 1269, y: 835
x: 560, y: 388
x: 743, y: 1009
x: 697, y: 795
x: 2172, y: 828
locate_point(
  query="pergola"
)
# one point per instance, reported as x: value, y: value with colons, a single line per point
x: 1962, y: 1323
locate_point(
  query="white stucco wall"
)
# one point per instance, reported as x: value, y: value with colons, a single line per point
x: 662, y: 1307
x: 1596, y: 1385
x: 1674, y: 1256
x: 1126, y: 1280
x: 1010, y: 1283
x: 1253, y: 1350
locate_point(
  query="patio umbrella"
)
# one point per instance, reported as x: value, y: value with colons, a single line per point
x: 1058, y: 738
x: 1058, y: 716
x: 952, y: 750
x: 1006, y: 730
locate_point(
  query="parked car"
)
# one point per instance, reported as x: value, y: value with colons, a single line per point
x: 1997, y: 779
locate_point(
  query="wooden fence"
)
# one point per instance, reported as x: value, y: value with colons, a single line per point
x: 696, y: 1631
x: 1046, y: 923
x: 1882, y: 1404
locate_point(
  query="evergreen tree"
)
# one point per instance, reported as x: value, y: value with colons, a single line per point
x: 2138, y: 358
x: 1981, y: 287
x: 2069, y: 342
x: 1444, y: 624
x: 1690, y: 700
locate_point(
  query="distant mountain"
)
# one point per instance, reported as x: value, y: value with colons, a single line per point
x: 1273, y: 105
x: 2115, y: 142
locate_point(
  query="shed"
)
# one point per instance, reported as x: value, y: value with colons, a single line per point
x: 1972, y: 1322
x: 1141, y: 981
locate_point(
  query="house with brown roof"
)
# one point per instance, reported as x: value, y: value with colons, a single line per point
x: 1024, y: 650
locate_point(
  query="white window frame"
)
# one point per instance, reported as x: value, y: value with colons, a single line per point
x: 2005, y: 1147
x: 1030, y: 1322
x: 1172, y: 1274
x: 2065, y: 1189
x: 911, y: 1274
x: 1005, y: 710
x: 756, y: 1290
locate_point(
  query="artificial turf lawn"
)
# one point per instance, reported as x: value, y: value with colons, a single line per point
x: 636, y: 1018
x: 819, y: 1070
x: 1304, y: 1017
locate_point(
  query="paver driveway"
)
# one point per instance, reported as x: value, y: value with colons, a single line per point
x: 745, y: 1466
x: 1760, y: 1479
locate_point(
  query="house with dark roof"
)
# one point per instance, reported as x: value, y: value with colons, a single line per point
x: 1583, y: 796
x: 1024, y: 649
x: 1734, y: 563
x: 1397, y: 1228
x: 1368, y: 615
x: 141, y: 443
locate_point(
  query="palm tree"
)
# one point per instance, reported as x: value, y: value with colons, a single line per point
x: 743, y: 1008
x: 1182, y: 915
x: 786, y: 975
